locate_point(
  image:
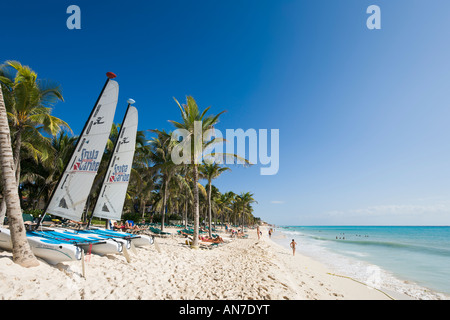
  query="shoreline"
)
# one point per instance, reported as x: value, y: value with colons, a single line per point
x: 242, y: 269
x: 396, y: 285
x: 346, y: 288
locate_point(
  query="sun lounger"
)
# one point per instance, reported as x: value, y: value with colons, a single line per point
x: 159, y: 232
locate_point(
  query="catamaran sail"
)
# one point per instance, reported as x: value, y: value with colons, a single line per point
x: 72, y: 191
x: 70, y: 195
x: 113, y: 191
x: 110, y: 201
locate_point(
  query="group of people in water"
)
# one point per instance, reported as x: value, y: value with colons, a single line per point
x: 342, y: 236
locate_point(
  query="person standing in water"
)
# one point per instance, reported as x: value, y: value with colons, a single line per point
x: 293, y: 244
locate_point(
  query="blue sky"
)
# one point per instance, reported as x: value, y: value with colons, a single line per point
x: 362, y: 114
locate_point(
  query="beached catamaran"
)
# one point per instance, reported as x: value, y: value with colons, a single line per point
x: 110, y: 201
x: 72, y: 190
x: 70, y: 194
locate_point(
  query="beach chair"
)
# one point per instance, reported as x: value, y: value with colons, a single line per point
x: 159, y: 232
x: 27, y: 217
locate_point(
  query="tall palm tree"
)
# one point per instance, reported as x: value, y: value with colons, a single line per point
x: 29, y: 101
x: 224, y: 203
x: 21, y: 250
x: 145, y: 188
x: 245, y: 199
x: 216, y: 208
x: 210, y: 172
x: 161, y: 157
x: 234, y: 204
x: 185, y: 172
x: 39, y: 178
x: 191, y: 117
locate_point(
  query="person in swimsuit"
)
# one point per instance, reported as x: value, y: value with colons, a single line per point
x: 293, y: 244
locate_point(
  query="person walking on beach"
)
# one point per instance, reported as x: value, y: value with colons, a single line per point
x: 257, y: 230
x: 293, y: 244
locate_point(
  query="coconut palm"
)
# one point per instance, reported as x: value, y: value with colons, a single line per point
x: 187, y: 191
x: 234, y: 204
x: 21, y: 250
x: 216, y: 206
x: 191, y: 119
x: 145, y: 188
x: 210, y: 172
x: 161, y: 147
x: 223, y: 201
x: 28, y: 104
x: 39, y: 178
x: 245, y: 199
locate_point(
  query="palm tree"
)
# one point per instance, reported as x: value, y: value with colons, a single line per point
x: 210, y: 172
x: 39, y: 178
x: 234, y: 203
x: 191, y: 117
x: 21, y: 250
x: 185, y: 172
x: 28, y: 104
x: 160, y: 156
x: 245, y: 199
x: 224, y: 205
x: 145, y: 188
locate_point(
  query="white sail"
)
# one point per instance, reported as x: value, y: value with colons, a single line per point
x: 72, y: 191
x: 110, y: 201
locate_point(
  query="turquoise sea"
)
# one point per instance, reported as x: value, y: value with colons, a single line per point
x: 410, y: 260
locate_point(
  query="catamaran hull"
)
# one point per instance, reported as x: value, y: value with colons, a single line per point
x: 143, y: 240
x: 137, y: 240
x: 90, y: 236
x: 49, y: 250
x: 106, y: 247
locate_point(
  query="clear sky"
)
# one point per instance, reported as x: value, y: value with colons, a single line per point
x: 363, y: 115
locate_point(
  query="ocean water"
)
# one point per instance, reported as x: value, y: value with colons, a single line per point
x: 410, y: 260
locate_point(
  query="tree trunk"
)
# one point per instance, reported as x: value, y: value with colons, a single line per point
x: 243, y: 218
x: 17, y: 145
x: 166, y: 190
x: 209, y: 210
x: 186, y: 210
x: 21, y: 250
x: 196, y: 209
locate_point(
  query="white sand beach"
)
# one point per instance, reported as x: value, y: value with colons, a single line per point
x: 241, y: 269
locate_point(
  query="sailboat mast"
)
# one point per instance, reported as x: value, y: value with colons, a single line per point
x: 109, y: 75
x: 130, y: 101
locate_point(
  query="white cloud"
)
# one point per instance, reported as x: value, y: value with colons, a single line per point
x: 276, y: 202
